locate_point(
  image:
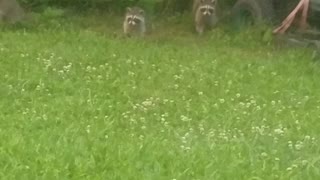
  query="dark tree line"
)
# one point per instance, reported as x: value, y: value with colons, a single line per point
x: 157, y: 6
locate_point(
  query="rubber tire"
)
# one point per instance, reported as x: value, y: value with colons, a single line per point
x: 259, y: 10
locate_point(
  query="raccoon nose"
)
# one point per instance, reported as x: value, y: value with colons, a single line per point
x: 207, y: 13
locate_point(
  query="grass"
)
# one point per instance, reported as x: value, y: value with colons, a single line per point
x: 79, y: 101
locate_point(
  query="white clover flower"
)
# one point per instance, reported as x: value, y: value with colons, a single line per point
x: 279, y: 131
x: 147, y: 103
x: 201, y: 128
x: 307, y: 138
x: 176, y: 77
x: 258, y: 108
x: 141, y: 137
x: 289, y: 169
x: 185, y: 118
x: 264, y: 154
x: 298, y: 146
x: 248, y: 105
x: 304, y: 162
x: 162, y: 119
x: 88, y: 129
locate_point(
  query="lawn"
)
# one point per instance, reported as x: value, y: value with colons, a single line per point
x: 79, y: 101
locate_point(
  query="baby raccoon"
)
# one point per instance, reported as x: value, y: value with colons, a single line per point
x: 134, y: 22
x: 10, y: 11
x: 205, y: 15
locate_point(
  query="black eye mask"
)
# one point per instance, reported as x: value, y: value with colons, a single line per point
x: 203, y: 10
x: 136, y: 20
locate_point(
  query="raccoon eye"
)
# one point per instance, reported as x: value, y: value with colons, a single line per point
x: 211, y: 11
x: 203, y: 10
x: 136, y: 20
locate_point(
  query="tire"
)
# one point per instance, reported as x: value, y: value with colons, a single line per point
x: 253, y: 11
x: 314, y: 13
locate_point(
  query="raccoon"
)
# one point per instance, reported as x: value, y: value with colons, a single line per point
x: 10, y: 11
x: 205, y: 14
x: 134, y: 22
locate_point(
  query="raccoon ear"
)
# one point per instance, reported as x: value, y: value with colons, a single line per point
x: 141, y: 12
x: 202, y: 1
x: 213, y: 1
x: 129, y: 9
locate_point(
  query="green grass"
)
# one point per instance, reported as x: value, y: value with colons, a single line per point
x: 79, y: 101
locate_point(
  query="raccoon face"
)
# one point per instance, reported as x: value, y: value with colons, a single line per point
x: 207, y: 7
x: 133, y: 20
x: 134, y: 16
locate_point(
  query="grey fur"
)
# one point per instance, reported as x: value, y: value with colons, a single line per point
x: 134, y: 22
x: 11, y: 11
x: 205, y: 15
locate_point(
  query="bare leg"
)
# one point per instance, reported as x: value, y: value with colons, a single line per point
x: 288, y: 21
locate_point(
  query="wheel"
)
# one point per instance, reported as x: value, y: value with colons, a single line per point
x: 251, y: 12
x: 314, y: 13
